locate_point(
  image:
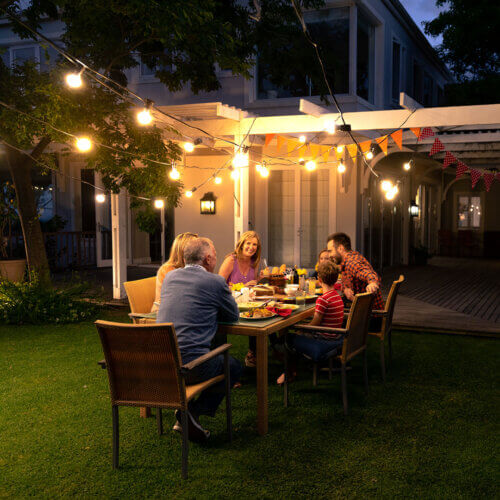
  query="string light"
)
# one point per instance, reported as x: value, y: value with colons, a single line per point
x: 301, y: 161
x: 100, y: 198
x: 407, y: 165
x: 369, y: 155
x: 144, y: 117
x: 188, y: 147
x: 302, y: 139
x: 174, y: 174
x: 341, y: 168
x: 218, y: 180
x: 240, y: 160
x: 159, y: 203
x: 386, y: 185
x: 74, y: 80
x: 391, y: 194
x: 340, y: 149
x: 189, y: 193
x: 330, y: 126
x: 258, y: 167
x: 311, y: 165
x: 264, y: 172
x: 83, y: 144
x: 235, y: 175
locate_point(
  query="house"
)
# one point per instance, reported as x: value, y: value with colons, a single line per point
x: 384, y: 62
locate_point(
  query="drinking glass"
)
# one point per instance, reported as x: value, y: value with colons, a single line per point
x: 300, y: 298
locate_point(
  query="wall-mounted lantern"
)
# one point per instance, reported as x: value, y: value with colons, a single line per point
x: 207, y: 204
x: 414, y: 209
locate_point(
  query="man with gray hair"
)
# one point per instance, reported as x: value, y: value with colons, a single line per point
x: 195, y: 300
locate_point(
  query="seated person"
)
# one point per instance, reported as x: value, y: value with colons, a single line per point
x: 195, y: 300
x: 323, y: 256
x: 175, y: 261
x: 329, y: 312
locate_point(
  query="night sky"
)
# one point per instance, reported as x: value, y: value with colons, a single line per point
x: 423, y: 10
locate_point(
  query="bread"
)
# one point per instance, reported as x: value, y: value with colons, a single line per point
x: 263, y: 290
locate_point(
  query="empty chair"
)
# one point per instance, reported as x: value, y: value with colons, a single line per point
x: 141, y: 295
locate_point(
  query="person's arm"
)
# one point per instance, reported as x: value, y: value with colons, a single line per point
x: 227, y: 267
x: 347, y: 277
x: 367, y: 274
x: 317, y: 319
x: 228, y: 309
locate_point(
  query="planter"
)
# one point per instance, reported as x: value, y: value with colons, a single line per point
x: 12, y: 270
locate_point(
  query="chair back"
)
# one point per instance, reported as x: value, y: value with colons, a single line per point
x: 143, y: 364
x: 357, y: 326
x: 141, y: 294
x: 390, y: 304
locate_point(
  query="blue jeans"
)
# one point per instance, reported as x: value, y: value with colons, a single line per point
x: 314, y: 349
x: 210, y: 399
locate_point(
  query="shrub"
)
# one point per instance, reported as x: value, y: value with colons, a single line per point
x: 30, y: 302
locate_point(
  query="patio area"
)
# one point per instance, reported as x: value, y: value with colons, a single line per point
x: 426, y: 433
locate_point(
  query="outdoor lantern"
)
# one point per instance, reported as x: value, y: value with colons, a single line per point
x: 414, y: 210
x: 207, y: 204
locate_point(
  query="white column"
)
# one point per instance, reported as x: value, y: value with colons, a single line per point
x: 242, y: 197
x: 119, y: 242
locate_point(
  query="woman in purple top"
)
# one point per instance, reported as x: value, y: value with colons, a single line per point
x: 242, y: 266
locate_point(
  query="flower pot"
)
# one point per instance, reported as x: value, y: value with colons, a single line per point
x: 12, y: 270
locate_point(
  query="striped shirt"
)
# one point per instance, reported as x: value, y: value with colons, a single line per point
x: 330, y: 305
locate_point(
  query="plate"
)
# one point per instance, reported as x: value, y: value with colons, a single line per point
x: 263, y: 298
x: 293, y: 307
x: 245, y: 306
x: 257, y: 319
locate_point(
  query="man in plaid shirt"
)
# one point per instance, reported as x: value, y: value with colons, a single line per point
x: 358, y: 275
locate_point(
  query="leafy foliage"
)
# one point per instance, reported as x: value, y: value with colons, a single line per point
x: 8, y: 215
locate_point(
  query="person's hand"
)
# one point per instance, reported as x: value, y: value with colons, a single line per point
x: 251, y: 283
x: 349, y: 294
x: 372, y: 287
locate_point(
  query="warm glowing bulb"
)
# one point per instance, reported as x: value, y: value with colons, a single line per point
x: 302, y: 139
x: 341, y: 168
x: 264, y: 172
x: 188, y: 147
x: 189, y: 194
x: 311, y: 165
x: 258, y: 167
x: 386, y: 186
x: 391, y: 194
x: 301, y: 161
x: 83, y: 144
x: 235, y: 175
x: 144, y: 117
x: 240, y: 160
x: 174, y: 174
x: 100, y: 198
x: 218, y: 180
x: 340, y: 149
x: 74, y: 80
x: 407, y: 166
x: 159, y: 203
x: 369, y: 155
x: 330, y: 126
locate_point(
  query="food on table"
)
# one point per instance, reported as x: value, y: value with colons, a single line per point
x: 263, y: 290
x: 257, y: 313
x: 282, y: 269
x: 275, y: 270
x: 236, y: 287
x: 265, y: 271
x: 244, y: 306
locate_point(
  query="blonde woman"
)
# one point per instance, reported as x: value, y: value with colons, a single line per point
x: 175, y: 261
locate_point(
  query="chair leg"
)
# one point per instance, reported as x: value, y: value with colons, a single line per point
x: 365, y: 369
x: 382, y: 359
x: 315, y: 374
x: 228, y: 397
x: 390, y: 344
x: 159, y: 421
x: 344, y: 388
x: 330, y: 368
x: 185, y: 444
x: 285, y: 384
x: 116, y: 436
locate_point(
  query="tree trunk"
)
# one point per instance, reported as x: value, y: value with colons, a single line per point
x: 20, y: 169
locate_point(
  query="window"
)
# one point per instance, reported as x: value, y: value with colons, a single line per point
x: 396, y: 70
x: 365, y: 58
x: 23, y: 54
x: 469, y: 212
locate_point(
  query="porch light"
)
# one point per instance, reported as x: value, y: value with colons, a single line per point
x: 83, y: 144
x: 218, y: 180
x: 74, y: 80
x: 159, y: 203
x: 414, y: 209
x: 207, y: 204
x: 311, y: 165
x: 341, y: 168
x: 100, y: 198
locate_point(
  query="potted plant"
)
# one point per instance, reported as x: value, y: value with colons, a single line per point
x: 10, y: 269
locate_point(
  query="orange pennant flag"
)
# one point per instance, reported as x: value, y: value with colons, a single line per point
x: 314, y: 148
x: 269, y: 138
x: 365, y: 145
x: 280, y: 140
x: 353, y: 150
x: 398, y: 138
x: 416, y: 131
x: 290, y: 146
x: 302, y: 150
x: 383, y: 142
x: 326, y: 154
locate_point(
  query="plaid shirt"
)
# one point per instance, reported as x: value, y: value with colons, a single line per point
x: 357, y: 273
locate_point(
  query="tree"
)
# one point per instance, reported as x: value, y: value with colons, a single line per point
x: 470, y: 48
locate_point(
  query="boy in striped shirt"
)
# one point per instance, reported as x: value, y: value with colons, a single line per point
x: 329, y: 312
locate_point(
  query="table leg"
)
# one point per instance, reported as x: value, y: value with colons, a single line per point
x: 262, y: 382
x: 145, y: 412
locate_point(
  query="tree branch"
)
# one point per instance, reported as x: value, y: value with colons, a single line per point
x: 119, y: 56
x: 37, y: 150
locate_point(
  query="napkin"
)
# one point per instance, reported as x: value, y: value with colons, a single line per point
x: 280, y: 311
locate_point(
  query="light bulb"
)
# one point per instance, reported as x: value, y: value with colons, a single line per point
x: 264, y: 172
x: 369, y: 155
x: 391, y: 194
x: 174, y: 174
x: 189, y: 194
x: 386, y: 185
x: 330, y: 126
x: 74, y: 80
x: 188, y: 147
x: 100, y: 198
x: 218, y: 180
x: 258, y: 167
x: 235, y: 175
x: 407, y: 166
x: 311, y: 165
x: 83, y: 144
x: 159, y: 203
x: 144, y: 117
x: 340, y: 149
x: 240, y: 160
x: 302, y: 139
x: 301, y: 161
x: 341, y: 168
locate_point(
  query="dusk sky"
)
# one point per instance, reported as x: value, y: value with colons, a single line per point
x: 422, y: 10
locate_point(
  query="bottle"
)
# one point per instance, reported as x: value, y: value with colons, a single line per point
x: 295, y: 276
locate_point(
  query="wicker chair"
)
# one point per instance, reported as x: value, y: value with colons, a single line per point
x: 141, y: 295
x: 355, y: 337
x: 144, y: 369
x: 386, y: 324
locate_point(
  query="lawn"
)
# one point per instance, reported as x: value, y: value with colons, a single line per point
x: 430, y: 432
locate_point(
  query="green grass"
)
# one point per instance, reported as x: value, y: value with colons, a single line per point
x: 430, y: 432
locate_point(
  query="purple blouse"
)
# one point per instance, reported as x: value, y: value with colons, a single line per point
x: 237, y: 276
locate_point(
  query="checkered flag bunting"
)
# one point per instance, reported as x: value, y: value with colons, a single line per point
x: 488, y: 179
x: 426, y: 133
x: 449, y: 159
x: 437, y: 147
x: 475, y: 175
x: 462, y: 168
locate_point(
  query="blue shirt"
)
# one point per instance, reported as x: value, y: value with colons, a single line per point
x: 195, y: 300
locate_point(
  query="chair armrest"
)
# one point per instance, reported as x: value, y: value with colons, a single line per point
x: 102, y: 364
x: 379, y: 312
x: 148, y: 315
x: 209, y: 355
x: 325, y: 329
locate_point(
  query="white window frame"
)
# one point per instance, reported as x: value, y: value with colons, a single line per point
x: 24, y: 46
x: 469, y: 195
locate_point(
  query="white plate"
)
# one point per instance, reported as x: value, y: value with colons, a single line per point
x: 245, y: 306
x: 257, y: 319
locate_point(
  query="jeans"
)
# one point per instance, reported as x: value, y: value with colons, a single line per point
x: 315, y: 349
x: 210, y: 399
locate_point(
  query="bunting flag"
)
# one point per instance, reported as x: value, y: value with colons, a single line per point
x: 397, y: 137
x: 437, y: 147
x: 365, y: 145
x: 291, y: 146
x: 383, y: 142
x: 449, y: 159
x: 314, y: 148
x: 303, y: 150
x: 462, y: 168
x: 416, y: 131
x: 280, y: 140
x: 488, y: 179
x: 475, y: 175
x: 269, y: 138
x: 426, y: 133
x: 353, y: 150
x: 326, y: 154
